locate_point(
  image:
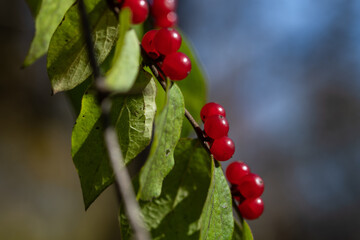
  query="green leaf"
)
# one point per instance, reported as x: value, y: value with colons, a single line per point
x: 34, y: 6
x: 139, y: 29
x: 89, y: 151
x: 67, y: 63
x: 195, y: 202
x: 242, y: 232
x: 133, y: 117
x: 125, y: 64
x: 76, y: 94
x: 193, y: 87
x: 135, y: 120
x: 217, y: 218
x: 48, y: 14
x: 167, y: 133
x: 175, y: 214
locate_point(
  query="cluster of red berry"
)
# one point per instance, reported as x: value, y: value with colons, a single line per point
x: 216, y: 129
x: 139, y: 9
x: 162, y: 46
x: 246, y: 187
x: 164, y: 12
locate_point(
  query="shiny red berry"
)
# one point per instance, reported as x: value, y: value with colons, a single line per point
x: 222, y: 148
x: 216, y: 126
x: 160, y: 8
x: 176, y: 66
x: 251, y: 186
x: 139, y: 9
x: 148, y: 44
x: 167, y: 40
x: 211, y: 109
x: 251, y: 208
x: 168, y: 20
x: 235, y: 171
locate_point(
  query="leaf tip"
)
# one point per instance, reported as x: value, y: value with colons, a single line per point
x: 27, y: 62
x: 53, y: 91
x: 56, y: 89
x: 87, y: 205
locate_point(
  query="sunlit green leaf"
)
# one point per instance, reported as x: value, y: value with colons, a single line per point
x: 34, y: 6
x: 167, y: 133
x: 242, y: 232
x: 134, y: 123
x: 195, y: 202
x: 217, y: 218
x: 76, y: 94
x: 175, y: 214
x: 125, y: 64
x: 132, y: 116
x: 68, y: 63
x: 48, y: 14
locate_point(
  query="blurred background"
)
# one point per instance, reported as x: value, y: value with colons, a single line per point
x: 287, y: 72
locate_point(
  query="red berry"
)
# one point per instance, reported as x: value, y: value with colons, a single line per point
x: 139, y: 9
x: 160, y: 8
x: 167, y: 40
x: 148, y: 44
x: 210, y: 109
x: 168, y: 20
x: 251, y: 186
x: 216, y: 126
x: 251, y: 208
x: 176, y: 66
x: 235, y: 171
x: 222, y: 148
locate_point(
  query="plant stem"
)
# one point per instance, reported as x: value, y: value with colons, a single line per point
x: 123, y: 182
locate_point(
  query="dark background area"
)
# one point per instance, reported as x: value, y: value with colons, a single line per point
x: 287, y: 72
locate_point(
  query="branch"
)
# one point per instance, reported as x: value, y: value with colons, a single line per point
x: 123, y: 183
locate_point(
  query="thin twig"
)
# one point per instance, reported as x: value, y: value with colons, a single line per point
x: 122, y: 179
